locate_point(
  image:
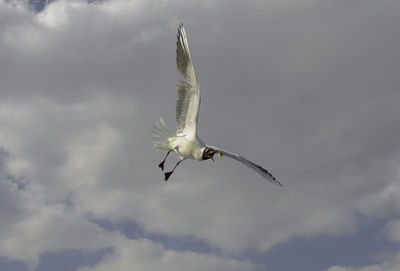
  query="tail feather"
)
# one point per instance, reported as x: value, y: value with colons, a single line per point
x: 161, y: 134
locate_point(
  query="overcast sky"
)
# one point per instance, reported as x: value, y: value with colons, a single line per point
x: 309, y: 89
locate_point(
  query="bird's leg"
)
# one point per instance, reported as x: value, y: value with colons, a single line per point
x: 167, y: 174
x: 161, y: 165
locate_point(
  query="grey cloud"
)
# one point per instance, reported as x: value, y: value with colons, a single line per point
x: 390, y: 264
x: 309, y: 90
x: 392, y: 231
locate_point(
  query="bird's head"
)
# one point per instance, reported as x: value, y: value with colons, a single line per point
x: 208, y: 153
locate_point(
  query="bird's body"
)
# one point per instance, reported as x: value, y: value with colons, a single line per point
x: 185, y: 142
x: 187, y: 147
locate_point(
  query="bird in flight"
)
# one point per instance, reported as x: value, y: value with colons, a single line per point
x: 185, y: 142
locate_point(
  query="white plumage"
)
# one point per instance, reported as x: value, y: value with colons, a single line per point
x: 185, y: 142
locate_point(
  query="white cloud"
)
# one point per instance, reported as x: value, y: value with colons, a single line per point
x: 144, y: 255
x: 392, y: 263
x: 392, y: 231
x: 51, y: 229
x: 55, y: 228
x: 382, y: 203
x: 11, y: 206
x: 82, y: 84
x: 49, y: 214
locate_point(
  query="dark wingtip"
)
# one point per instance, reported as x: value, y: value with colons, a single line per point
x: 273, y: 179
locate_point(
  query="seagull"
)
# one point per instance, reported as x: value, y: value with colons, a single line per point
x: 185, y: 142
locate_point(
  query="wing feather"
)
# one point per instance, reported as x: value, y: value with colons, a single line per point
x: 259, y: 169
x: 188, y: 96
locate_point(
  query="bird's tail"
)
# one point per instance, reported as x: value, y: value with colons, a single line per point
x: 161, y: 134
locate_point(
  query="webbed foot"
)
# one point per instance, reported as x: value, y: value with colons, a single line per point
x: 161, y: 165
x: 167, y: 174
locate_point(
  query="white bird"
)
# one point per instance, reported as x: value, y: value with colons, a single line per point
x: 185, y: 143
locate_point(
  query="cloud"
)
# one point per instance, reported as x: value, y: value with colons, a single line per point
x: 392, y: 230
x: 53, y: 229
x: 383, y: 203
x: 391, y: 264
x: 145, y: 255
x: 309, y: 91
x: 49, y: 214
x: 388, y: 262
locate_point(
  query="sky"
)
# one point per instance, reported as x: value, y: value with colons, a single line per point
x: 309, y: 89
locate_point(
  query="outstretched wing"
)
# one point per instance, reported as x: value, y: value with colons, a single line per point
x: 188, y: 99
x: 262, y: 171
